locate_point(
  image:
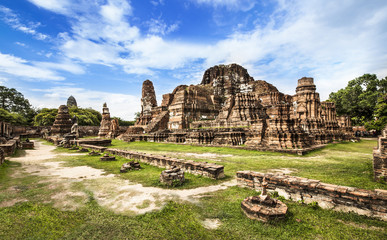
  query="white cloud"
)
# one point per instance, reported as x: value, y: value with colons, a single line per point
x: 36, y: 70
x: 64, y: 65
x: 115, y: 10
x: 234, y: 5
x: 159, y: 27
x: 19, y: 67
x: 59, y: 6
x: 3, y: 80
x: 12, y: 19
x: 21, y: 44
x: 157, y: 2
x: 120, y: 105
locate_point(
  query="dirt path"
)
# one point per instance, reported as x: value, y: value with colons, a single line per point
x: 112, y: 192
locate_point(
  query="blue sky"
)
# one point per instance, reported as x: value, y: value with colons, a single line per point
x: 102, y: 50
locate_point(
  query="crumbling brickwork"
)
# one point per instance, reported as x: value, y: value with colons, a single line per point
x: 62, y: 124
x: 380, y: 158
x: 229, y: 107
x: 106, y: 123
x: 331, y: 196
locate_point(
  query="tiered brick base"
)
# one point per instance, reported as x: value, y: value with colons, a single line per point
x: 341, y: 198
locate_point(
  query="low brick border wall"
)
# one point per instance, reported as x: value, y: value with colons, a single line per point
x: 329, y: 196
x: 93, y: 141
x: 94, y: 147
x: 210, y: 170
x: 10, y: 147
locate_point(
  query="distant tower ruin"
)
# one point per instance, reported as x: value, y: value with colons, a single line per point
x: 71, y: 102
x: 148, y: 101
x: 104, y: 128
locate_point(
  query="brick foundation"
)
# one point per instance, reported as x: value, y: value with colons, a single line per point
x: 329, y: 196
x: 204, y: 169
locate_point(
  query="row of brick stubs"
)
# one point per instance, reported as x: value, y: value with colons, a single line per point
x: 210, y: 170
x: 364, y: 202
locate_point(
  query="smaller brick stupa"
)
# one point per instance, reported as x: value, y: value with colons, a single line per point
x: 62, y: 123
x: 104, y: 128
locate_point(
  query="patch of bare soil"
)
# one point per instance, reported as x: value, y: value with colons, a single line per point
x: 211, y: 223
x: 55, y: 169
x: 285, y: 171
x: 119, y: 195
x: 12, y: 202
x: 362, y: 226
x: 212, y: 156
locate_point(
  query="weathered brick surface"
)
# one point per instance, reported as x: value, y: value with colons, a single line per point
x: 380, y: 158
x: 10, y: 147
x: 230, y: 108
x: 342, y: 198
x: 210, y: 170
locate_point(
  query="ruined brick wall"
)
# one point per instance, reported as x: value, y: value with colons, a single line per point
x: 10, y: 146
x: 205, y: 169
x: 380, y: 158
x: 340, y: 198
x: 2, y: 156
x: 191, y: 104
x: 5, y: 129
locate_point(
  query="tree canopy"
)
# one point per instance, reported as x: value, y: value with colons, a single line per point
x: 85, y: 116
x: 14, y: 108
x: 364, y: 100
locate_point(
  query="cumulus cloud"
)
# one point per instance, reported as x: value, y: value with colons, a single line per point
x: 19, y: 67
x: 36, y: 70
x: 59, y: 6
x: 234, y: 5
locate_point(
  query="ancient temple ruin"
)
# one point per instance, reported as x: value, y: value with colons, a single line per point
x: 229, y: 107
x: 62, y: 124
x: 71, y: 102
x: 104, y: 128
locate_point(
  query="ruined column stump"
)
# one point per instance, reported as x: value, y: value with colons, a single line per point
x: 106, y: 157
x: 172, y: 177
x: 132, y: 165
x: 94, y: 153
x: 264, y: 208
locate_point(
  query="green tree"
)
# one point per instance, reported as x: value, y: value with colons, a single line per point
x: 85, y: 116
x: 13, y: 118
x: 14, y: 102
x: 122, y: 122
x: 362, y: 100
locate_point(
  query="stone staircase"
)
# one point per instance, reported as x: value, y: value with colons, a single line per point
x: 160, y: 122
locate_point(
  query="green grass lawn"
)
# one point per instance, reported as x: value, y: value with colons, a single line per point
x: 184, y: 221
x: 35, y: 216
x: 148, y: 175
x: 347, y: 163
